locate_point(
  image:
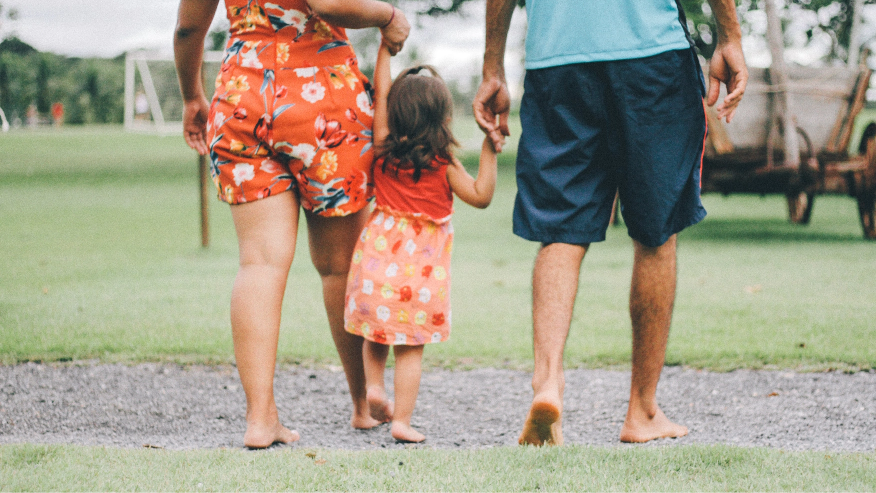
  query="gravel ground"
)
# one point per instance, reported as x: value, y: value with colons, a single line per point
x: 178, y: 407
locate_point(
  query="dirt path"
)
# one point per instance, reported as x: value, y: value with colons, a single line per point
x: 202, y: 407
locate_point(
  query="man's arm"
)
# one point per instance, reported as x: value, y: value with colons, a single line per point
x: 728, y: 63
x: 492, y: 102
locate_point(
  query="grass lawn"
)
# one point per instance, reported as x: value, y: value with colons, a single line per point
x: 101, y: 260
x: 571, y: 468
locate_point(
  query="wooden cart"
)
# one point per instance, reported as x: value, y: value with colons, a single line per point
x: 746, y: 156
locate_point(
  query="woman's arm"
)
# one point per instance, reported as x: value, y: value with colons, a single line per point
x: 193, y: 22
x: 475, y: 192
x: 357, y: 14
x: 382, y: 82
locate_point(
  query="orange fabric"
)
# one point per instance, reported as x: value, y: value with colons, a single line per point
x: 430, y: 195
x: 398, y: 289
x: 291, y: 111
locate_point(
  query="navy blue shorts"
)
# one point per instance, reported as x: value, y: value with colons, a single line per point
x: 636, y: 126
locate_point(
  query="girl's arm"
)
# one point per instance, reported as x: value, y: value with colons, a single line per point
x: 382, y: 81
x: 357, y: 14
x: 475, y: 192
x: 193, y: 22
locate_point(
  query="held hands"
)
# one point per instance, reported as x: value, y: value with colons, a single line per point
x: 396, y: 31
x: 195, y: 124
x: 491, y: 106
x: 727, y: 66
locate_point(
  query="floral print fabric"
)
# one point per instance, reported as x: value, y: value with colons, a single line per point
x: 398, y: 289
x: 291, y: 111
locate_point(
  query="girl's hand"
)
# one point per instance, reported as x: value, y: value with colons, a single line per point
x: 396, y: 32
x: 195, y: 124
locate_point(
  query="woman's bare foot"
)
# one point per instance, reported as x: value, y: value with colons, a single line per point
x: 640, y: 428
x: 543, y: 424
x: 404, y: 433
x: 363, y: 420
x: 263, y: 436
x: 379, y: 406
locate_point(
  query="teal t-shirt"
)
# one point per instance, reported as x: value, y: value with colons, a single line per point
x: 561, y: 32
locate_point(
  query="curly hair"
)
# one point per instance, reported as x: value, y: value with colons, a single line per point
x: 420, y: 109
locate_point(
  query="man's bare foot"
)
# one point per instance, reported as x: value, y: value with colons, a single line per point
x: 379, y: 406
x: 640, y: 428
x: 261, y: 436
x: 404, y: 433
x: 543, y: 425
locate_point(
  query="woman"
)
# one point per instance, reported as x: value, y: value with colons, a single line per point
x: 289, y: 126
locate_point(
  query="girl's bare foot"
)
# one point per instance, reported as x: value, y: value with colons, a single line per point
x: 363, y: 420
x: 259, y: 436
x: 640, y: 428
x: 379, y: 406
x: 404, y: 433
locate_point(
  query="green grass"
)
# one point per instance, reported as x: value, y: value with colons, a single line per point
x: 101, y: 259
x: 573, y: 468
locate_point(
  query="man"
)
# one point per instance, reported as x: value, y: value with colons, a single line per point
x: 612, y: 102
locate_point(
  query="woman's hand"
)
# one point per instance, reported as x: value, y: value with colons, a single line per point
x: 195, y: 114
x: 396, y: 32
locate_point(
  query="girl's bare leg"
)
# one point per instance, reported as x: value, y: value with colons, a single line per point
x: 408, y: 367
x: 374, y: 357
x: 266, y: 231
x: 332, y: 240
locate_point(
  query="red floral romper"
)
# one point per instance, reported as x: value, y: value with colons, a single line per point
x: 291, y: 111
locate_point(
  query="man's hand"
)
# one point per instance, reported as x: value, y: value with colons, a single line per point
x: 491, y: 106
x: 195, y: 124
x: 727, y: 66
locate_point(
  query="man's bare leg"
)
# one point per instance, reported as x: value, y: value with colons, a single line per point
x: 374, y: 357
x: 652, y: 294
x: 554, y: 287
x: 266, y: 232
x: 332, y: 240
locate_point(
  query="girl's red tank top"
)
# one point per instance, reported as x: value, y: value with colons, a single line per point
x: 430, y: 195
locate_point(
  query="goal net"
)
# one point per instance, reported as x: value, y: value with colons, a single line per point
x: 152, y: 100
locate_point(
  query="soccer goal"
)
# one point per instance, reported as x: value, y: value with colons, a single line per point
x: 152, y: 100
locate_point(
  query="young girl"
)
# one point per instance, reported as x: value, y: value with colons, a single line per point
x: 398, y: 289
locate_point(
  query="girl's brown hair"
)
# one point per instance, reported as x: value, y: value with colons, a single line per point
x: 420, y: 108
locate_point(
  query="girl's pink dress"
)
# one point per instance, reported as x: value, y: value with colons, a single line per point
x: 398, y: 289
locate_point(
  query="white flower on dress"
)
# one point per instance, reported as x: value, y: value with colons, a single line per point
x: 294, y: 18
x: 352, y: 305
x: 312, y: 92
x: 383, y: 313
x: 410, y: 247
x: 389, y: 223
x: 268, y: 166
x: 243, y: 172
x: 304, y: 152
x: 392, y: 270
x: 363, y: 101
x: 425, y: 295
x: 306, y: 71
x: 367, y: 286
x: 436, y: 337
x: 379, y: 218
x: 250, y: 58
x: 401, y: 338
x: 219, y: 119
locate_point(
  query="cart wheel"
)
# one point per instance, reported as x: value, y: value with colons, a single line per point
x: 867, y: 209
x: 800, y: 206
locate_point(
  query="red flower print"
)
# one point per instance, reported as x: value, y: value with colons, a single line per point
x: 281, y: 92
x: 396, y: 247
x: 427, y: 270
x: 354, y: 186
x: 438, y: 319
x: 240, y: 113
x: 351, y: 115
x: 417, y: 227
x: 405, y: 293
x: 328, y: 132
x: 263, y: 130
x: 379, y: 336
x: 351, y: 139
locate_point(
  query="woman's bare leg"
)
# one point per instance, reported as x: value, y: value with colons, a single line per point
x: 266, y: 232
x: 408, y: 368
x: 332, y: 240
x: 374, y: 357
